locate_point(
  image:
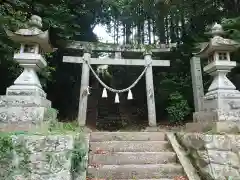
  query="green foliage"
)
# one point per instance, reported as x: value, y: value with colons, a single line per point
x: 23, y: 155
x: 6, y: 153
x: 50, y: 115
x: 232, y: 25
x: 64, y: 127
x: 178, y: 108
x: 9, y: 70
x: 78, y: 158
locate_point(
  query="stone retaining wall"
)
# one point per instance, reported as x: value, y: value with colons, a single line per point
x: 215, y: 156
x: 44, y: 157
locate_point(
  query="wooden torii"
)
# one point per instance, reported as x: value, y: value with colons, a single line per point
x: 88, y: 47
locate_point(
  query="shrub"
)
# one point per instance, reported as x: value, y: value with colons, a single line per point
x: 178, y: 108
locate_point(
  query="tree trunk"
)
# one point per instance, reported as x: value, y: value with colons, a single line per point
x: 161, y: 27
x: 128, y: 33
x: 172, y: 28
x: 114, y: 31
x: 117, y: 31
x: 149, y: 31
x: 154, y: 30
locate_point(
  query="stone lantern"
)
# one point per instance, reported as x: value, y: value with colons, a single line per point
x: 221, y: 104
x: 25, y: 101
x: 34, y: 42
x: 218, y: 53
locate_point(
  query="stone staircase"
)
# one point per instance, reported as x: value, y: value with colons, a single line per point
x: 132, y: 155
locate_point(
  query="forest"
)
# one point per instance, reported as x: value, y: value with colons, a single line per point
x: 183, y: 22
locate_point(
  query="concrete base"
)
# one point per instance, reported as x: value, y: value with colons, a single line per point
x: 151, y: 129
x: 217, y: 116
x: 24, y: 101
x: 216, y: 127
x: 24, y: 90
x: 25, y: 112
x: 41, y: 127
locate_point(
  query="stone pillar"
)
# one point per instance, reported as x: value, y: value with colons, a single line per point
x: 25, y: 107
x: 150, y: 92
x: 197, y: 83
x: 82, y: 113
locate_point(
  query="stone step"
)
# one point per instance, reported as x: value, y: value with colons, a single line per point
x: 130, y: 146
x: 118, y: 158
x: 145, y: 171
x: 127, y: 136
x: 146, y: 179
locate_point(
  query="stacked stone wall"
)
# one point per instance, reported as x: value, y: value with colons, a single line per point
x: 43, y: 157
x: 216, y: 157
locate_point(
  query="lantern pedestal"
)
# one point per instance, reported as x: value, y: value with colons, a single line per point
x: 25, y: 113
x: 28, y: 84
x: 221, y: 111
x: 222, y: 95
x: 231, y: 127
x: 22, y: 90
x: 25, y: 106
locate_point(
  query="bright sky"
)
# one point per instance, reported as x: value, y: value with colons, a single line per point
x: 102, y: 34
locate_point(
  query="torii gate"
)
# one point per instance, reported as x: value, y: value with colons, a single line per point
x: 88, y: 47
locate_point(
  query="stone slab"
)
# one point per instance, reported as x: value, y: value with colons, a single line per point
x: 136, y: 171
x: 41, y: 165
x: 216, y: 116
x: 24, y: 90
x: 130, y: 146
x: 24, y: 101
x: 21, y: 114
x: 145, y: 179
x: 62, y: 175
x: 25, y: 127
x: 120, y: 158
x: 211, y: 141
x: 188, y: 167
x: 25, y: 117
x: 215, y: 156
x: 49, y: 143
x: 220, y: 157
x: 221, y: 172
x: 49, y: 156
x: 215, y: 127
x: 151, y: 129
x: 222, y: 94
x: 228, y: 100
x: 127, y: 136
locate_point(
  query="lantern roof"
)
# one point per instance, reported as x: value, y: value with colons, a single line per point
x: 32, y: 34
x: 218, y: 43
